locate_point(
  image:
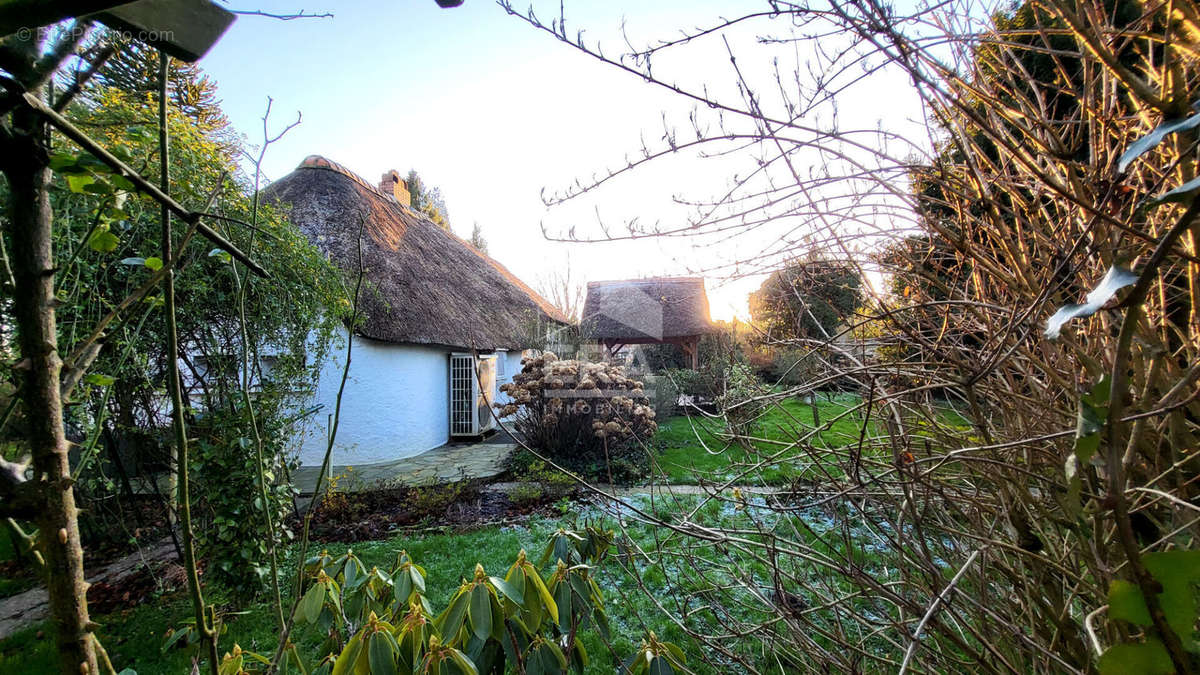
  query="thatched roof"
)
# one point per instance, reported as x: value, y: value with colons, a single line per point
x: 421, y: 284
x: 646, y: 309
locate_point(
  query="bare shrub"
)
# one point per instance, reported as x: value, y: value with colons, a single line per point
x: 741, y: 402
x: 581, y: 415
x: 1004, y: 500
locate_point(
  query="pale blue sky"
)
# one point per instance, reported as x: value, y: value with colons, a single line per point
x: 492, y: 111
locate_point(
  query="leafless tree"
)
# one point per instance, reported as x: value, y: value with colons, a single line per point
x: 564, y: 289
x: 992, y: 496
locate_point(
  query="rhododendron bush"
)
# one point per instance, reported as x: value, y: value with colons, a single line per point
x: 583, y: 415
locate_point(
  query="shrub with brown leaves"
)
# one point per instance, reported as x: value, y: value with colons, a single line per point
x: 586, y: 416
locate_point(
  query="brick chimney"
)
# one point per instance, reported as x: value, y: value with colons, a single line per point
x: 392, y: 184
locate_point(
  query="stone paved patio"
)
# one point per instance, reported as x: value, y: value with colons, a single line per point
x: 440, y: 465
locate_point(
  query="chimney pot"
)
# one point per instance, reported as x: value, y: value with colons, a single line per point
x: 394, y: 186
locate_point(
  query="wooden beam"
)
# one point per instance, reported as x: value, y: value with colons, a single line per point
x: 19, y: 15
x: 185, y: 29
x: 690, y: 347
x: 612, y: 346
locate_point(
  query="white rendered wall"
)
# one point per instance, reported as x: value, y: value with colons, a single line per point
x: 512, y: 366
x: 397, y: 404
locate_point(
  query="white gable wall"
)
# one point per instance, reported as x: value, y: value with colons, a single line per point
x: 396, y: 404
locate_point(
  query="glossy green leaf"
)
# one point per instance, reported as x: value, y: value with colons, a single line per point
x: 675, y: 652
x: 380, y: 655
x: 88, y: 161
x: 122, y: 182
x: 660, y: 666
x: 153, y: 262
x: 600, y: 621
x: 582, y: 592
x: 1177, y: 571
x: 355, y: 604
x: 556, y: 653
x: 175, y: 637
x: 1086, y: 446
x: 1125, y: 602
x: 103, y: 241
x: 480, y: 611
x: 547, y: 599
x: 516, y: 580
x: 411, y: 639
x: 354, y: 573
x: 451, y: 620
x: 312, y: 602
x: 76, y: 182
x: 497, y: 618
x: 579, y: 656
x: 1100, y: 393
x: 325, y: 620
x: 344, y: 665
x: 542, y: 661
x: 562, y: 600
x: 531, y: 609
x: 100, y: 380
x: 1145, y: 658
x: 488, y: 657
x: 64, y: 163
x: 507, y: 589
x: 1090, y: 419
x: 402, y: 589
x: 463, y: 662
x: 335, y: 595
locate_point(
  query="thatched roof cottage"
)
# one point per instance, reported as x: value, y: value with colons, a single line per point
x: 430, y: 301
x: 658, y: 310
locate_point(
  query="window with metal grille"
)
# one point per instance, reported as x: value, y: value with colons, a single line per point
x: 462, y: 389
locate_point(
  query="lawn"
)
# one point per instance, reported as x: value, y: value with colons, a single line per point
x: 685, y: 448
x: 689, y: 448
x: 134, y: 637
x: 680, y: 577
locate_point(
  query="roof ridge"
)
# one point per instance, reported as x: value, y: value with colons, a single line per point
x: 324, y: 163
x: 321, y: 162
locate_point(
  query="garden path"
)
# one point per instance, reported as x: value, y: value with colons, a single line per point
x: 456, y: 461
x: 26, y: 609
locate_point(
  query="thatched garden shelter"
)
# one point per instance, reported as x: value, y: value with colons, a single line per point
x: 660, y: 310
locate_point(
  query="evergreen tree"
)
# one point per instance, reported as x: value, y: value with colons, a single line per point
x: 477, y: 239
x: 133, y: 69
x: 807, y: 299
x: 428, y: 200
